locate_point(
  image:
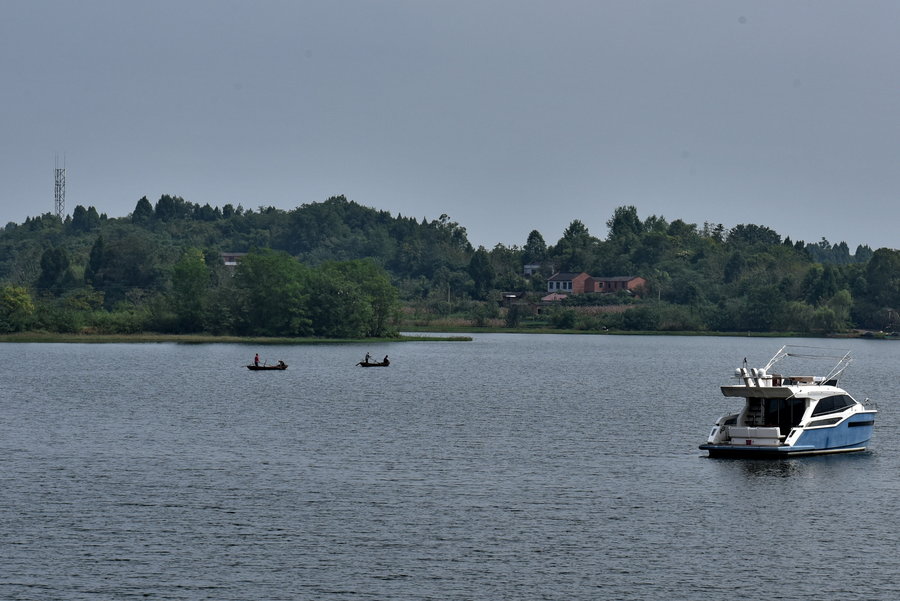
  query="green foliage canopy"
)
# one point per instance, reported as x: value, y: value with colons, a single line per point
x: 337, y: 268
x: 16, y: 307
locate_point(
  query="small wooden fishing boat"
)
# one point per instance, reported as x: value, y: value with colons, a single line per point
x: 384, y: 363
x: 279, y: 365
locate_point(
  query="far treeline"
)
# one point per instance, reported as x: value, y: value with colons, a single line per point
x: 337, y: 269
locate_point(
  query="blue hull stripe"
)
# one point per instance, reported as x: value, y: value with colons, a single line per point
x: 850, y: 435
x: 841, y: 435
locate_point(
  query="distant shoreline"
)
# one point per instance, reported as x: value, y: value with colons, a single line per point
x: 412, y: 334
x: 31, y: 337
x: 471, y: 330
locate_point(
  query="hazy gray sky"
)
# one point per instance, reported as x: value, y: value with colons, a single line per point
x: 507, y: 115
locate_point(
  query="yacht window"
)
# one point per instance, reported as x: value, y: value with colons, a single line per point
x: 828, y: 421
x: 784, y: 413
x: 829, y: 404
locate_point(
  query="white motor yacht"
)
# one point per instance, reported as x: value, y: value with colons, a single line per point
x: 786, y: 414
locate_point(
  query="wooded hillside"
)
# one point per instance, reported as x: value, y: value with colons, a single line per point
x: 340, y: 269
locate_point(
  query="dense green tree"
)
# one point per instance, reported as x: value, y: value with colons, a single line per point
x: 191, y: 290
x: 272, y: 295
x: 682, y: 230
x: 207, y: 213
x: 735, y: 267
x: 837, y: 254
x: 96, y: 260
x: 685, y: 292
x: 752, y: 234
x: 795, y: 316
x: 564, y: 319
x: 165, y: 208
x: 16, y: 307
x: 840, y: 305
x: 507, y: 265
x: 574, y: 252
x: 143, y: 211
x: 652, y: 249
x: 44, y: 223
x: 169, y: 208
x: 641, y: 318
x: 535, y: 249
x: 822, y: 283
x: 129, y: 266
x: 714, y: 232
x: 56, y: 274
x: 883, y: 278
x: 363, y: 288
x: 762, y: 306
x: 337, y: 306
x: 624, y: 223
x: 514, y: 315
x: 85, y: 220
x: 482, y: 273
x: 863, y: 254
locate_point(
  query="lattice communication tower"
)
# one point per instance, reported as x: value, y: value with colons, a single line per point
x: 60, y: 190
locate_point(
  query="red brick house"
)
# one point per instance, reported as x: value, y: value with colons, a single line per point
x: 631, y: 283
x: 582, y: 283
x: 571, y: 283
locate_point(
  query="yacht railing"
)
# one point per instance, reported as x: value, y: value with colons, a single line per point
x: 816, y: 353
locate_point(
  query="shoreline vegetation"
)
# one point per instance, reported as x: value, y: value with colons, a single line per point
x: 412, y: 333
x: 149, y: 337
x: 472, y: 330
x: 337, y: 271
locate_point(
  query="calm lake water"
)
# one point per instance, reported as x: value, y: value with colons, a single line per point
x: 510, y: 467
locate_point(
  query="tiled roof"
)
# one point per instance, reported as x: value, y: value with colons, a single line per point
x: 563, y: 276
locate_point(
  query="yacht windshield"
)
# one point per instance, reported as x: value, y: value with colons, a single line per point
x: 830, y: 404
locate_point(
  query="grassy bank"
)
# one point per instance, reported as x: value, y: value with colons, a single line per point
x: 550, y: 330
x: 442, y: 332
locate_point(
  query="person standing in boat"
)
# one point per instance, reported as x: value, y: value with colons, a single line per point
x: 256, y: 360
x: 368, y: 356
